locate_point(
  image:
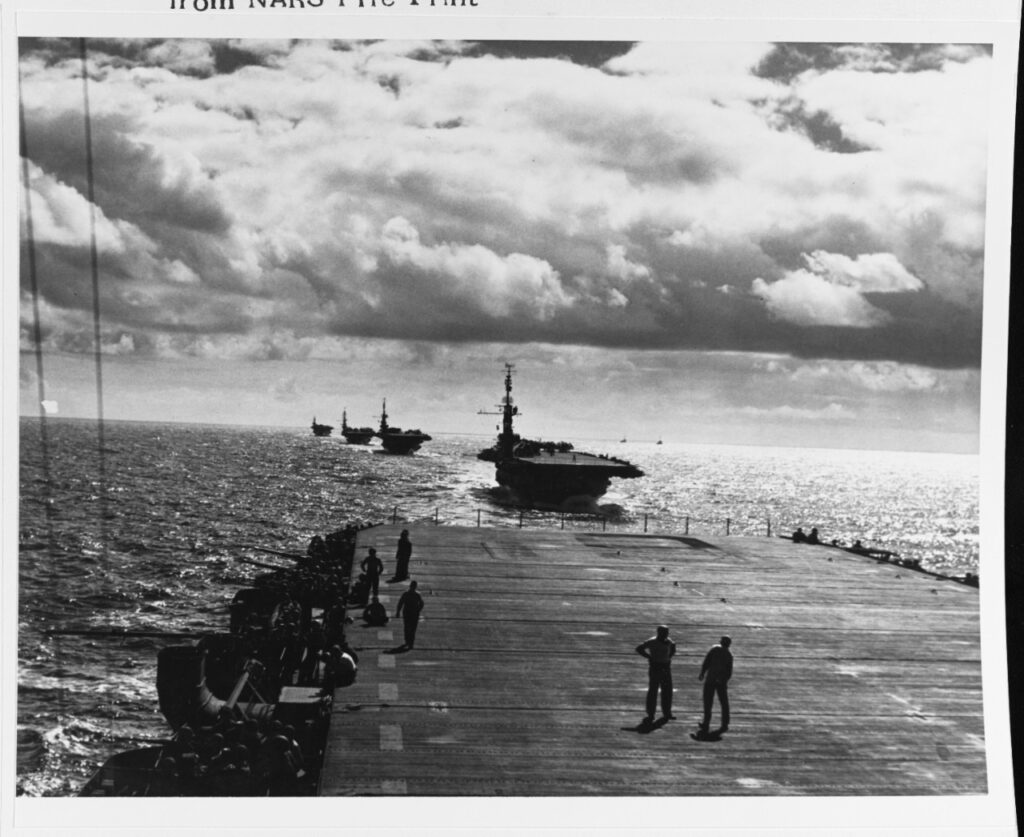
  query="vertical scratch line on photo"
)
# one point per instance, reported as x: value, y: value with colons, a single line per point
x: 101, y: 476
x: 37, y: 335
x: 95, y: 272
x: 37, y: 340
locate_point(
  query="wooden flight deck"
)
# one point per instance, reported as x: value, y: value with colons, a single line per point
x: 852, y: 677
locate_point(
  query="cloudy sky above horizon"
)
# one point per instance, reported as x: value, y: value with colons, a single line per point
x: 759, y: 243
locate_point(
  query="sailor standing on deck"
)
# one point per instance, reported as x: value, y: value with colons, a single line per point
x: 373, y: 567
x: 402, y: 556
x: 411, y: 603
x: 718, y: 669
x: 659, y: 650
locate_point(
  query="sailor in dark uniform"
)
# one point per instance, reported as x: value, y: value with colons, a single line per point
x: 375, y: 614
x: 373, y: 567
x: 658, y: 650
x: 409, y: 606
x: 715, y: 672
x: 402, y: 556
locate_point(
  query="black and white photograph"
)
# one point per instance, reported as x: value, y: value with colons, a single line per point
x: 597, y: 423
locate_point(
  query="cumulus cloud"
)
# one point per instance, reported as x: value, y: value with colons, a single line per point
x: 830, y: 290
x: 622, y: 268
x: 868, y: 272
x: 617, y: 299
x: 806, y: 299
x: 499, y: 285
x: 695, y: 237
x: 63, y: 216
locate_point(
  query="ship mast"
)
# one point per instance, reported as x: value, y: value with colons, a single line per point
x: 506, y: 441
x: 384, y: 416
x: 507, y: 438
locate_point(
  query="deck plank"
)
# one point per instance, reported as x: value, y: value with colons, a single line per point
x: 853, y: 677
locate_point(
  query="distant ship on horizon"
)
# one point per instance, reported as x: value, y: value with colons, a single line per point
x: 355, y: 435
x: 321, y: 429
x: 396, y: 440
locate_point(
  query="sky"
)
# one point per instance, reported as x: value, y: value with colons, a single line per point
x: 732, y: 243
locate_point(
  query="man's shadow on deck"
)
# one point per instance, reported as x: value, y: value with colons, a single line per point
x: 646, y: 727
x: 707, y: 735
x: 398, y: 649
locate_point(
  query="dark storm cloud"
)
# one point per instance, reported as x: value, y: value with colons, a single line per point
x: 393, y: 84
x: 168, y: 219
x: 65, y: 282
x: 924, y: 329
x: 413, y: 303
x: 818, y: 126
x: 787, y: 61
x: 835, y: 233
x: 62, y: 274
x: 114, y: 51
x: 106, y: 54
x: 48, y: 51
x: 130, y: 179
x: 647, y: 149
x: 585, y: 53
x: 230, y: 56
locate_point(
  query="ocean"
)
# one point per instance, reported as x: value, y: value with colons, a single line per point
x: 146, y: 532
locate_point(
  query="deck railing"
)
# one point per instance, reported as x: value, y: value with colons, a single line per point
x: 638, y: 524
x: 642, y: 523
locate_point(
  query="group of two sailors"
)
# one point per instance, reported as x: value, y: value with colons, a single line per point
x: 714, y: 673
